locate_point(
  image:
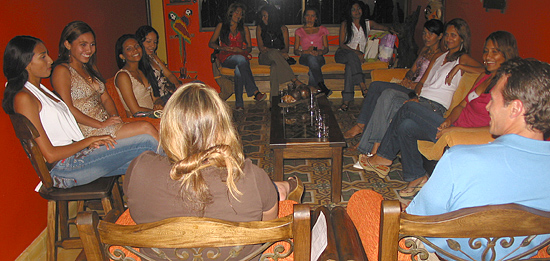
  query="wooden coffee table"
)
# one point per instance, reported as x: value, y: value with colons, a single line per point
x: 293, y: 137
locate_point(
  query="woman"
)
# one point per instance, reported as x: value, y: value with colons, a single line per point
x: 414, y: 122
x: 204, y: 172
x: 354, y: 31
x: 431, y: 36
x: 436, y: 88
x: 232, y: 39
x: 167, y: 82
x: 135, y: 79
x: 76, y: 79
x: 272, y: 38
x: 76, y: 160
x: 311, y: 43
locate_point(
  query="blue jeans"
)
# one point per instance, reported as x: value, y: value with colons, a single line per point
x: 243, y: 77
x: 387, y: 105
x: 353, y: 72
x: 314, y: 63
x: 414, y: 121
x: 369, y: 102
x: 90, y: 164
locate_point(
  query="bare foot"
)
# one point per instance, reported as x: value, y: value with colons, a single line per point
x: 354, y: 131
x: 378, y: 160
x: 415, y: 185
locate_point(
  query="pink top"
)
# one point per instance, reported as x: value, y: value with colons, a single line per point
x: 475, y: 114
x: 307, y: 40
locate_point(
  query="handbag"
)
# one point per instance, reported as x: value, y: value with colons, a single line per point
x: 371, y: 49
x: 386, y: 47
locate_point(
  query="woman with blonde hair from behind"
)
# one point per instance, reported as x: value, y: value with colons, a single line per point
x: 203, y: 171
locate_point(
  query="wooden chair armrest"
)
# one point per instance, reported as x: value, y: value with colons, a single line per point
x: 348, y: 241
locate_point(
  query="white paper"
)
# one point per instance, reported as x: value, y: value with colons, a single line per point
x: 319, y: 237
x: 38, y: 187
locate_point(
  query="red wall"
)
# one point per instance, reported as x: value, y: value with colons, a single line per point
x: 527, y: 20
x: 24, y: 211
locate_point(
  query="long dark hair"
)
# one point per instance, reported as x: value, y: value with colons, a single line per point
x: 349, y: 20
x: 463, y: 30
x: 143, y: 65
x: 17, y: 56
x: 70, y: 33
x: 143, y: 31
x: 226, y: 26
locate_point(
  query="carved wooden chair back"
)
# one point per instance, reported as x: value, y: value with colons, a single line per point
x: 103, y: 189
x: 492, y: 225
x: 184, y: 233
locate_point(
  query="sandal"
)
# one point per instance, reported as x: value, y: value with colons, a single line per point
x: 344, y: 106
x: 259, y: 96
x: 364, y: 90
x: 296, y: 188
x: 354, y: 131
x: 381, y: 170
x: 413, y: 192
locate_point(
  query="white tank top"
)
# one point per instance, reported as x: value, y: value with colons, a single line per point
x: 56, y: 118
x: 435, y: 88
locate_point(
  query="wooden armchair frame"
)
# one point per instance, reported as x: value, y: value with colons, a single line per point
x: 193, y: 232
x: 495, y: 223
x: 58, y: 232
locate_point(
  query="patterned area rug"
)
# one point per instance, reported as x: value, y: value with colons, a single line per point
x: 253, y: 125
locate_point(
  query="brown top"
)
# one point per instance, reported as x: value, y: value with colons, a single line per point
x: 153, y: 195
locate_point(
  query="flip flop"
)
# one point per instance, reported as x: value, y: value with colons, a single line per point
x: 296, y: 188
x: 413, y: 192
x: 381, y: 170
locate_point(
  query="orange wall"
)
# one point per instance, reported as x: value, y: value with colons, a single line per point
x: 198, y: 53
x: 24, y: 211
x: 527, y: 20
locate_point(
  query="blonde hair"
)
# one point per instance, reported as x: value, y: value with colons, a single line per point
x: 197, y: 132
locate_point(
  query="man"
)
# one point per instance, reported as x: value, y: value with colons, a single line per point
x: 512, y: 169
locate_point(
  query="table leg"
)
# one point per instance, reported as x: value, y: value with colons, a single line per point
x: 336, y: 174
x: 278, y: 164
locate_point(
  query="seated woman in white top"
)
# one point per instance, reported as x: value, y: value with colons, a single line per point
x: 76, y: 160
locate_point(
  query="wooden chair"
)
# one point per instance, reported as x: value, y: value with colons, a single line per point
x: 193, y: 232
x: 103, y: 189
x: 495, y: 223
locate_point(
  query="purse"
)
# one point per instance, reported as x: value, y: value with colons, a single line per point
x: 291, y: 61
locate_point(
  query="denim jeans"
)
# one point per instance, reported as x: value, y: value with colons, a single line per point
x: 90, y: 164
x: 369, y: 102
x: 353, y: 72
x: 314, y: 63
x: 243, y: 77
x: 388, y: 104
x: 414, y: 121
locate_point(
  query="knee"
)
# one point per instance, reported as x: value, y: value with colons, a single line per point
x: 406, y: 127
x: 148, y: 128
x: 241, y: 60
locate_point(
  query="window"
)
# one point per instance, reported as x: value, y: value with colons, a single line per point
x: 213, y: 12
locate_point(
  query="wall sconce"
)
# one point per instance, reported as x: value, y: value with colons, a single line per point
x: 494, y: 4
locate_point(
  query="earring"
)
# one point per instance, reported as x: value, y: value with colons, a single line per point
x: 123, y: 60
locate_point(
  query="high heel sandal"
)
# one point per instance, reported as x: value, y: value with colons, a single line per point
x: 344, y: 106
x: 364, y: 90
x: 414, y: 191
x: 354, y: 131
x: 296, y: 188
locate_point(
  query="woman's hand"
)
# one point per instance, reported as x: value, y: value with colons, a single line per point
x: 104, y: 140
x: 452, y: 74
x: 263, y: 49
x: 285, y: 55
x: 406, y: 82
x: 111, y: 121
x: 360, y: 55
x: 443, y: 128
